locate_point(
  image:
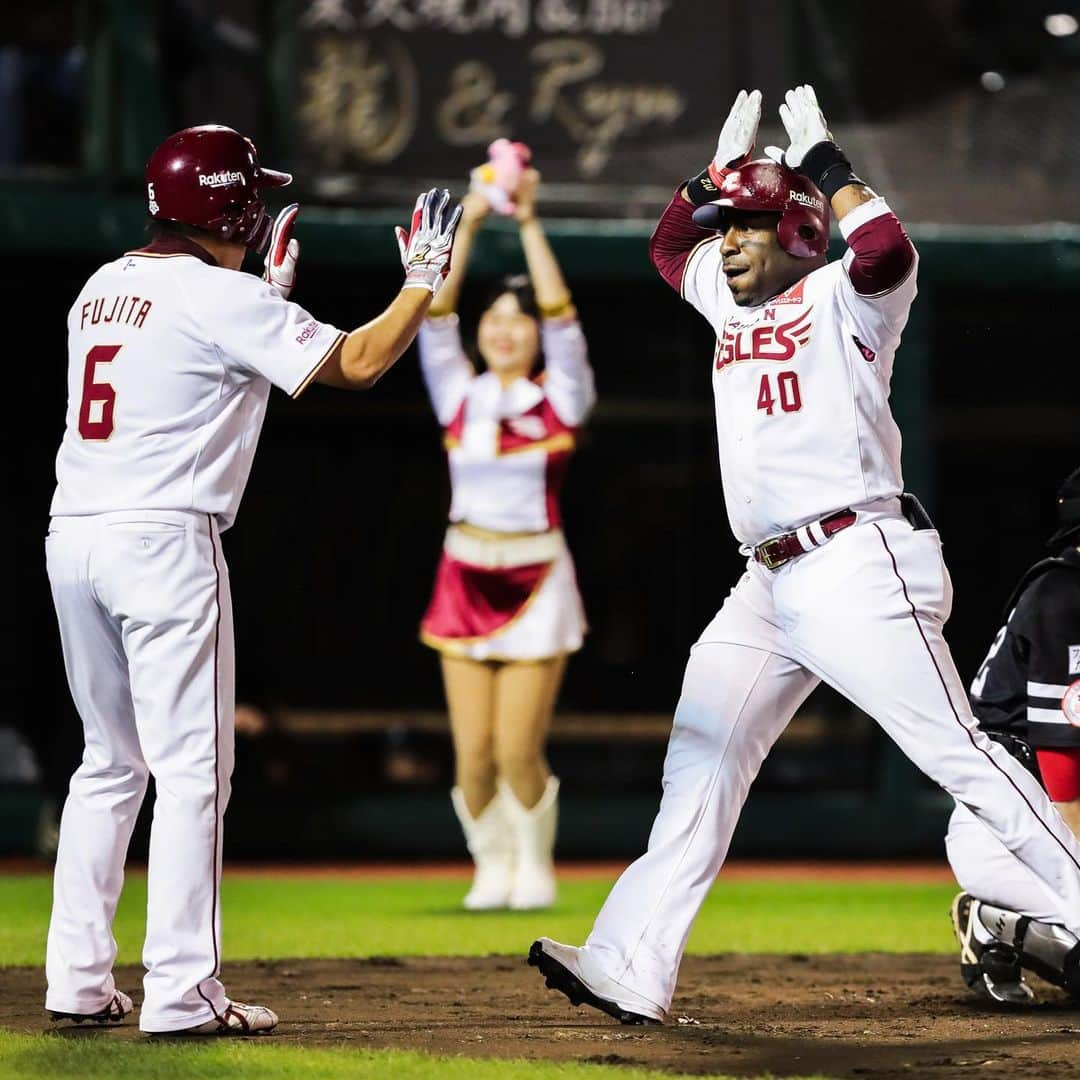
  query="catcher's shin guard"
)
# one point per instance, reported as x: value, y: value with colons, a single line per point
x: 490, y: 841
x: 992, y: 970
x: 1048, y: 949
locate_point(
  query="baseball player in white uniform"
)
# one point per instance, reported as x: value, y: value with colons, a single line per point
x: 172, y: 354
x: 844, y: 580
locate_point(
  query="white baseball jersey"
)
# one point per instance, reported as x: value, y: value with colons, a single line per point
x: 801, y: 384
x: 508, y: 446
x: 170, y: 362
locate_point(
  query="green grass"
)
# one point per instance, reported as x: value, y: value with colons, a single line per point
x: 268, y: 917
x: 32, y: 1056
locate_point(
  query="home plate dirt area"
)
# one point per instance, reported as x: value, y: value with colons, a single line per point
x: 866, y: 1015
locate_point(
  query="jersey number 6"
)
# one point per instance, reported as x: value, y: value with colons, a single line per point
x: 787, y: 388
x: 97, y: 393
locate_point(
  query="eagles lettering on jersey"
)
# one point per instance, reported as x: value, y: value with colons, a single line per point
x: 1029, y: 683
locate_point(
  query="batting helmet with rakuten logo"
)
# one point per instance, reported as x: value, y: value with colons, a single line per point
x: 765, y: 186
x: 209, y: 177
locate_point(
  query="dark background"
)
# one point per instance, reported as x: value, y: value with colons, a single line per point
x: 337, y: 538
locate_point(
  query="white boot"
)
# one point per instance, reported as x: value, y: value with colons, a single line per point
x: 534, y: 835
x: 491, y: 844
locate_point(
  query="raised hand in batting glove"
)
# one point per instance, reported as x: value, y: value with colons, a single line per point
x: 804, y: 123
x: 279, y: 266
x: 811, y: 150
x: 427, y: 245
x: 737, y: 136
x: 734, y: 147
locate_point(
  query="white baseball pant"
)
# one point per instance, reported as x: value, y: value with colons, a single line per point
x: 142, y: 599
x: 865, y: 613
x: 986, y: 869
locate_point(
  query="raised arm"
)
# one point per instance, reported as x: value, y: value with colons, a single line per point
x: 674, y: 239
x: 474, y: 208
x: 372, y: 349
x: 676, y: 236
x: 883, y: 255
x: 552, y: 294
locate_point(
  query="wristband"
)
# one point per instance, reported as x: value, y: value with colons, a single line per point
x: 702, y: 188
x: 555, y: 311
x: 827, y: 166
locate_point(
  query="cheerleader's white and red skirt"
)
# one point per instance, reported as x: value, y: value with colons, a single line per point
x: 502, y: 596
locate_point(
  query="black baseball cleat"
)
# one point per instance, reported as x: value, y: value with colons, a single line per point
x: 113, y: 1013
x: 992, y: 971
x: 570, y: 971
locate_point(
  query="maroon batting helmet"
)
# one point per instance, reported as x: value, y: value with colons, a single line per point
x: 209, y: 177
x: 764, y: 185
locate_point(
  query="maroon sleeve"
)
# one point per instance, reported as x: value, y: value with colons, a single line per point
x: 674, y: 237
x: 883, y: 255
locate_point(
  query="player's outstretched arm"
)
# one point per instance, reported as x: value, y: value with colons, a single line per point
x: 372, y: 349
x: 883, y: 254
x: 676, y: 235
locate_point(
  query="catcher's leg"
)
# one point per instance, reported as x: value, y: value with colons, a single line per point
x: 1002, y: 919
x: 985, y: 868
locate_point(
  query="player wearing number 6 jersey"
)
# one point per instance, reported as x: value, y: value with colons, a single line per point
x: 844, y: 580
x: 172, y: 353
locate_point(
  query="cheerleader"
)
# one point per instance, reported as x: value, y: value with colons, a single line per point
x: 505, y: 612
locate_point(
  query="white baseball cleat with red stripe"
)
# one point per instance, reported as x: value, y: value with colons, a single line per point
x: 238, y: 1019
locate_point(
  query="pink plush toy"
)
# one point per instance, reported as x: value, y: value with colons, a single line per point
x: 498, y: 178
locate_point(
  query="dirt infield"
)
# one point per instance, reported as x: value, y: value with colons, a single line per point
x: 869, y: 1015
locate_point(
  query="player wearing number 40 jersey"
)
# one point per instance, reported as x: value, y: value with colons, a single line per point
x: 844, y: 580
x: 172, y: 353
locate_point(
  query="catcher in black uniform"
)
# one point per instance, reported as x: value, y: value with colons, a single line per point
x: 1026, y: 695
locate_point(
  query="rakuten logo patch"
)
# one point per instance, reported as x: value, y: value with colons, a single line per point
x: 221, y: 179
x: 309, y: 331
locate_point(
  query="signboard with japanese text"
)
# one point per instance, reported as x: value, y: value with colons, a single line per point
x: 611, y: 92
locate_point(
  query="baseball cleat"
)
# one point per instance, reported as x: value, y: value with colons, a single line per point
x: 570, y: 971
x: 237, y: 1019
x: 113, y: 1013
x: 991, y: 970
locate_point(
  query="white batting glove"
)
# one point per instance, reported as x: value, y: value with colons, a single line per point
x: 804, y: 124
x: 427, y: 246
x: 279, y: 266
x: 737, y: 136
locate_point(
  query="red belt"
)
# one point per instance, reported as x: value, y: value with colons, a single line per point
x: 774, y: 553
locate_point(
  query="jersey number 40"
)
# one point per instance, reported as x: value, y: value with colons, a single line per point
x: 787, y: 395
x: 98, y: 398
